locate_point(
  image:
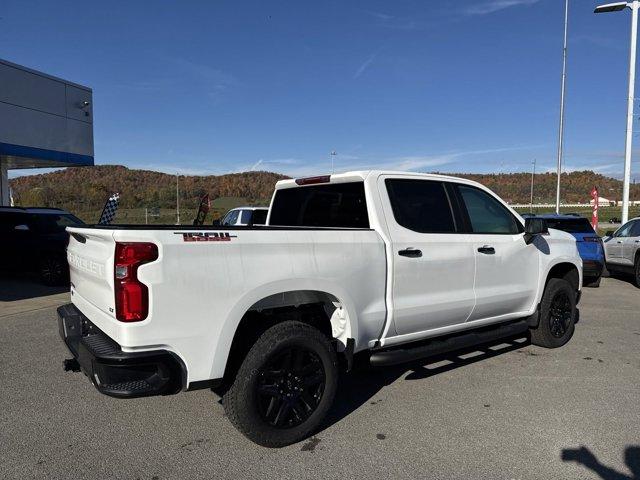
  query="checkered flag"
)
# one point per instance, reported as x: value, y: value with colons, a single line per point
x: 109, y: 210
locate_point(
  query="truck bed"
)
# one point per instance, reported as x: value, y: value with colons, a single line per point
x: 206, y: 278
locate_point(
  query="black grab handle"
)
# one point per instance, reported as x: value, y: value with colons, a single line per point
x: 410, y: 252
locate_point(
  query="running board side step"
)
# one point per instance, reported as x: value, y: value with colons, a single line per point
x: 440, y: 345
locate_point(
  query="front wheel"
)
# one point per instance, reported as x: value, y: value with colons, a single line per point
x: 285, y: 385
x: 557, y: 315
x: 636, y: 271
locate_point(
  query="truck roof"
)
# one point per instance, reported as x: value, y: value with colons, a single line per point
x: 359, y: 175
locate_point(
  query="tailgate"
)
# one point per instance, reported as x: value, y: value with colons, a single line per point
x: 90, y: 254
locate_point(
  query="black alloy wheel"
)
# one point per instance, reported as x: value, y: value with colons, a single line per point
x: 52, y: 270
x: 560, y: 314
x: 290, y: 386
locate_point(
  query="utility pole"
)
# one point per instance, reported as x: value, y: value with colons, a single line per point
x: 562, y: 90
x: 533, y: 173
x: 177, y: 201
x: 617, y: 7
x: 333, y: 154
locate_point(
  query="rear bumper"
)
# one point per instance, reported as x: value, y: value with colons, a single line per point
x: 592, y: 269
x: 112, y: 371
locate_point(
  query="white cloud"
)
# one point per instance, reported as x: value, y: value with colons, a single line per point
x: 368, y: 61
x: 392, y: 22
x: 492, y: 6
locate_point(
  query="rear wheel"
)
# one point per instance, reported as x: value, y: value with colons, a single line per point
x: 285, y: 385
x: 53, y: 270
x: 636, y: 271
x: 557, y: 315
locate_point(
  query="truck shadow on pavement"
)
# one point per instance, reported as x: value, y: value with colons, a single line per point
x: 364, y: 382
x: 583, y: 456
x: 23, y: 287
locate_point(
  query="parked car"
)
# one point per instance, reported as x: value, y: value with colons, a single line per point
x: 34, y: 240
x: 622, y: 249
x: 244, y: 216
x: 396, y: 266
x: 589, y: 243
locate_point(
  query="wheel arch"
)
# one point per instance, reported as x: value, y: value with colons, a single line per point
x: 568, y: 271
x: 563, y: 269
x: 326, y: 306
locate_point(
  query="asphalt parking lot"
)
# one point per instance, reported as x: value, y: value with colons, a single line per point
x: 512, y: 411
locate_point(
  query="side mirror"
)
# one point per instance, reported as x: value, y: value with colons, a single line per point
x: 609, y: 233
x: 534, y: 227
x: 22, y: 228
x: 216, y: 223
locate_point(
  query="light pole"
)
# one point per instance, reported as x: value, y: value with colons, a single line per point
x: 177, y: 201
x: 562, y: 90
x: 616, y: 7
x: 333, y: 154
x: 533, y: 174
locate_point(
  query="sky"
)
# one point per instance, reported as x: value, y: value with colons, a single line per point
x: 209, y: 87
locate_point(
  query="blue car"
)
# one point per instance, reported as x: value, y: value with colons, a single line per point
x: 589, y: 244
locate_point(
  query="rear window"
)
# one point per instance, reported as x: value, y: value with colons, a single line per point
x: 54, y: 223
x: 570, y: 225
x: 259, y: 217
x: 338, y: 205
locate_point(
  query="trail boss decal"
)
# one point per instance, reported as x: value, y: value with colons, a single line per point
x: 205, y: 236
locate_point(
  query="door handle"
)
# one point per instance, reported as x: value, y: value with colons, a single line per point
x: 410, y: 252
x: 487, y: 249
x: 619, y: 241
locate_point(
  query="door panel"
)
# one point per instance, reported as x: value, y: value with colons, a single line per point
x: 506, y: 281
x: 507, y: 269
x: 631, y: 244
x: 433, y: 266
x: 615, y: 245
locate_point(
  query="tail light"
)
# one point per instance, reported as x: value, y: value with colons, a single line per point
x: 132, y: 296
x: 313, y: 180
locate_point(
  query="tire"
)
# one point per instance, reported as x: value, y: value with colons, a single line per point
x: 557, y: 315
x: 53, y: 270
x: 285, y: 385
x: 636, y: 271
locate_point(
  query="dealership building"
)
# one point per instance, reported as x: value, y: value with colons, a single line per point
x: 44, y: 122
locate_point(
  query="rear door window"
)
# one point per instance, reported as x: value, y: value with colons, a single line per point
x: 422, y: 206
x: 337, y: 205
x: 10, y: 220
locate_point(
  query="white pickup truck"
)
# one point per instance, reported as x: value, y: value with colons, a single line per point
x: 399, y: 266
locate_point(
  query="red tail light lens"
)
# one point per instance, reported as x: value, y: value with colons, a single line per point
x: 313, y: 180
x: 132, y: 296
